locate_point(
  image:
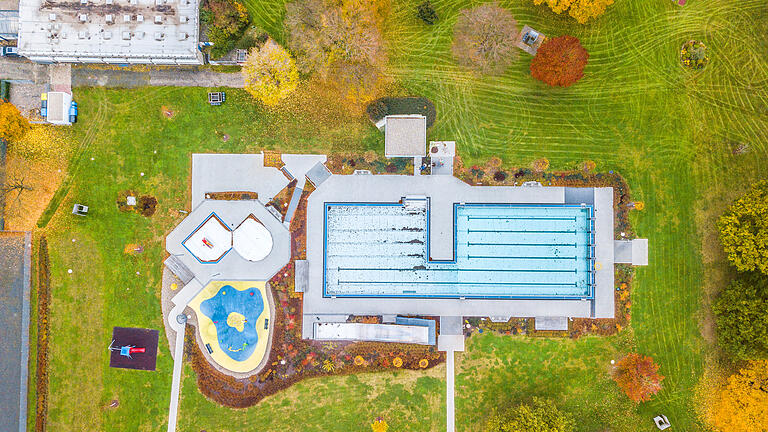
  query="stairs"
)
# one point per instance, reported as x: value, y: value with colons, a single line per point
x: 179, y: 269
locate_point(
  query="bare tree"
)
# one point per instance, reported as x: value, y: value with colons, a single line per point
x: 13, y: 183
x: 484, y: 38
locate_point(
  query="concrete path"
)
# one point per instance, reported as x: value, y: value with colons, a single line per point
x: 173, y: 77
x: 450, y: 340
x: 178, y: 360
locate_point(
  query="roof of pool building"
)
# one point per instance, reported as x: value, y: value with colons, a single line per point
x: 435, y: 246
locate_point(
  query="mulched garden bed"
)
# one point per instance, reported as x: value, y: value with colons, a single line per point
x: 346, y: 164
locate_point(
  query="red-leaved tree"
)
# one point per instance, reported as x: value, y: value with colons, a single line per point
x: 560, y: 61
x: 638, y: 377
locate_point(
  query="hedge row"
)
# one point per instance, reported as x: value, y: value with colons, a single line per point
x: 43, y: 302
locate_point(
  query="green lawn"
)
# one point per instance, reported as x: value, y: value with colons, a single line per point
x: 668, y: 131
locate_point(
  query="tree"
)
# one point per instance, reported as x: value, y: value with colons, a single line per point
x: 744, y: 230
x: 226, y: 21
x: 742, y: 320
x: 340, y: 40
x: 638, y: 377
x: 484, y: 39
x: 270, y: 73
x: 742, y: 404
x: 582, y: 10
x: 13, y: 125
x: 14, y: 183
x: 540, y: 416
x: 426, y: 13
x: 559, y: 61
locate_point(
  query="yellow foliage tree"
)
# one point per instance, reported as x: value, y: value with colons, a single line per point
x: 581, y: 10
x: 742, y: 404
x: 13, y: 125
x: 270, y: 73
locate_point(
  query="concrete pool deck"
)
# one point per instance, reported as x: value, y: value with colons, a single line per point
x: 443, y: 192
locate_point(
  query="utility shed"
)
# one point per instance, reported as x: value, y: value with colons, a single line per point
x: 405, y: 136
x: 109, y: 31
x: 58, y: 108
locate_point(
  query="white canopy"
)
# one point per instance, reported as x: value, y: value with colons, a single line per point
x: 211, y: 241
x: 252, y: 240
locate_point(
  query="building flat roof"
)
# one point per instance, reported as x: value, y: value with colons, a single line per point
x: 109, y: 31
x: 405, y: 136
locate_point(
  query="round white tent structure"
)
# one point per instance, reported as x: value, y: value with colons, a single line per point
x: 252, y: 240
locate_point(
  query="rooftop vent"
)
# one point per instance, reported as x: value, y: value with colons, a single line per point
x: 126, y: 35
x: 107, y: 35
x: 52, y: 17
x: 183, y: 36
x: 82, y: 2
x: 82, y: 34
x: 110, y: 18
x: 139, y: 35
x: 183, y: 19
x: 158, y: 19
x: 83, y: 17
x: 109, y: 2
x: 159, y: 36
x: 140, y: 18
x: 126, y: 18
x: 134, y: 2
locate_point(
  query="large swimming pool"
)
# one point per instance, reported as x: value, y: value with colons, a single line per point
x: 500, y: 251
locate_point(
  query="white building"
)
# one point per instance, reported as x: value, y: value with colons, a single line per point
x: 110, y: 31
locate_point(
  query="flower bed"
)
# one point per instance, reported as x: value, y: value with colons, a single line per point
x: 371, y: 161
x: 693, y: 55
x: 43, y: 300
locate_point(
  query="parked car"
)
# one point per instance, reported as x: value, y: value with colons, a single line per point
x: 10, y: 51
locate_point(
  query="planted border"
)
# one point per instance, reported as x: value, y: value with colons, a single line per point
x: 43, y: 327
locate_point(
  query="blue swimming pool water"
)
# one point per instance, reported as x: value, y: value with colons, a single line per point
x: 238, y: 345
x: 500, y: 251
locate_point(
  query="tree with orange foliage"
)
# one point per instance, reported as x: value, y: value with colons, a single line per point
x: 560, y: 61
x: 638, y: 377
x: 581, y: 10
x: 742, y: 404
x: 13, y: 125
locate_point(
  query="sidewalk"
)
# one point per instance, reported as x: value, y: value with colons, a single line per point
x: 173, y: 77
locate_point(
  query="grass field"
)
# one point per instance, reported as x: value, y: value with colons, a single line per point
x: 670, y: 132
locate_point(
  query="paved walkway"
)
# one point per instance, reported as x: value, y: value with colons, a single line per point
x: 173, y: 77
x: 451, y: 339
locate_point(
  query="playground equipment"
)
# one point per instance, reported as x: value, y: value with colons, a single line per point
x: 126, y: 350
x: 216, y: 98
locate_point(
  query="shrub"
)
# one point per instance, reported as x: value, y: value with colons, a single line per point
x: 500, y: 176
x: 638, y: 377
x: 540, y: 164
x: 559, y: 61
x: 377, y: 110
x: 146, y: 205
x: 426, y: 13
x: 744, y: 230
x: 694, y: 55
x: 484, y: 39
x: 270, y: 73
x: 581, y: 10
x: 542, y: 415
x: 742, y: 321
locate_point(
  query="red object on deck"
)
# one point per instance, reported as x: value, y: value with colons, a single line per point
x: 136, y: 350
